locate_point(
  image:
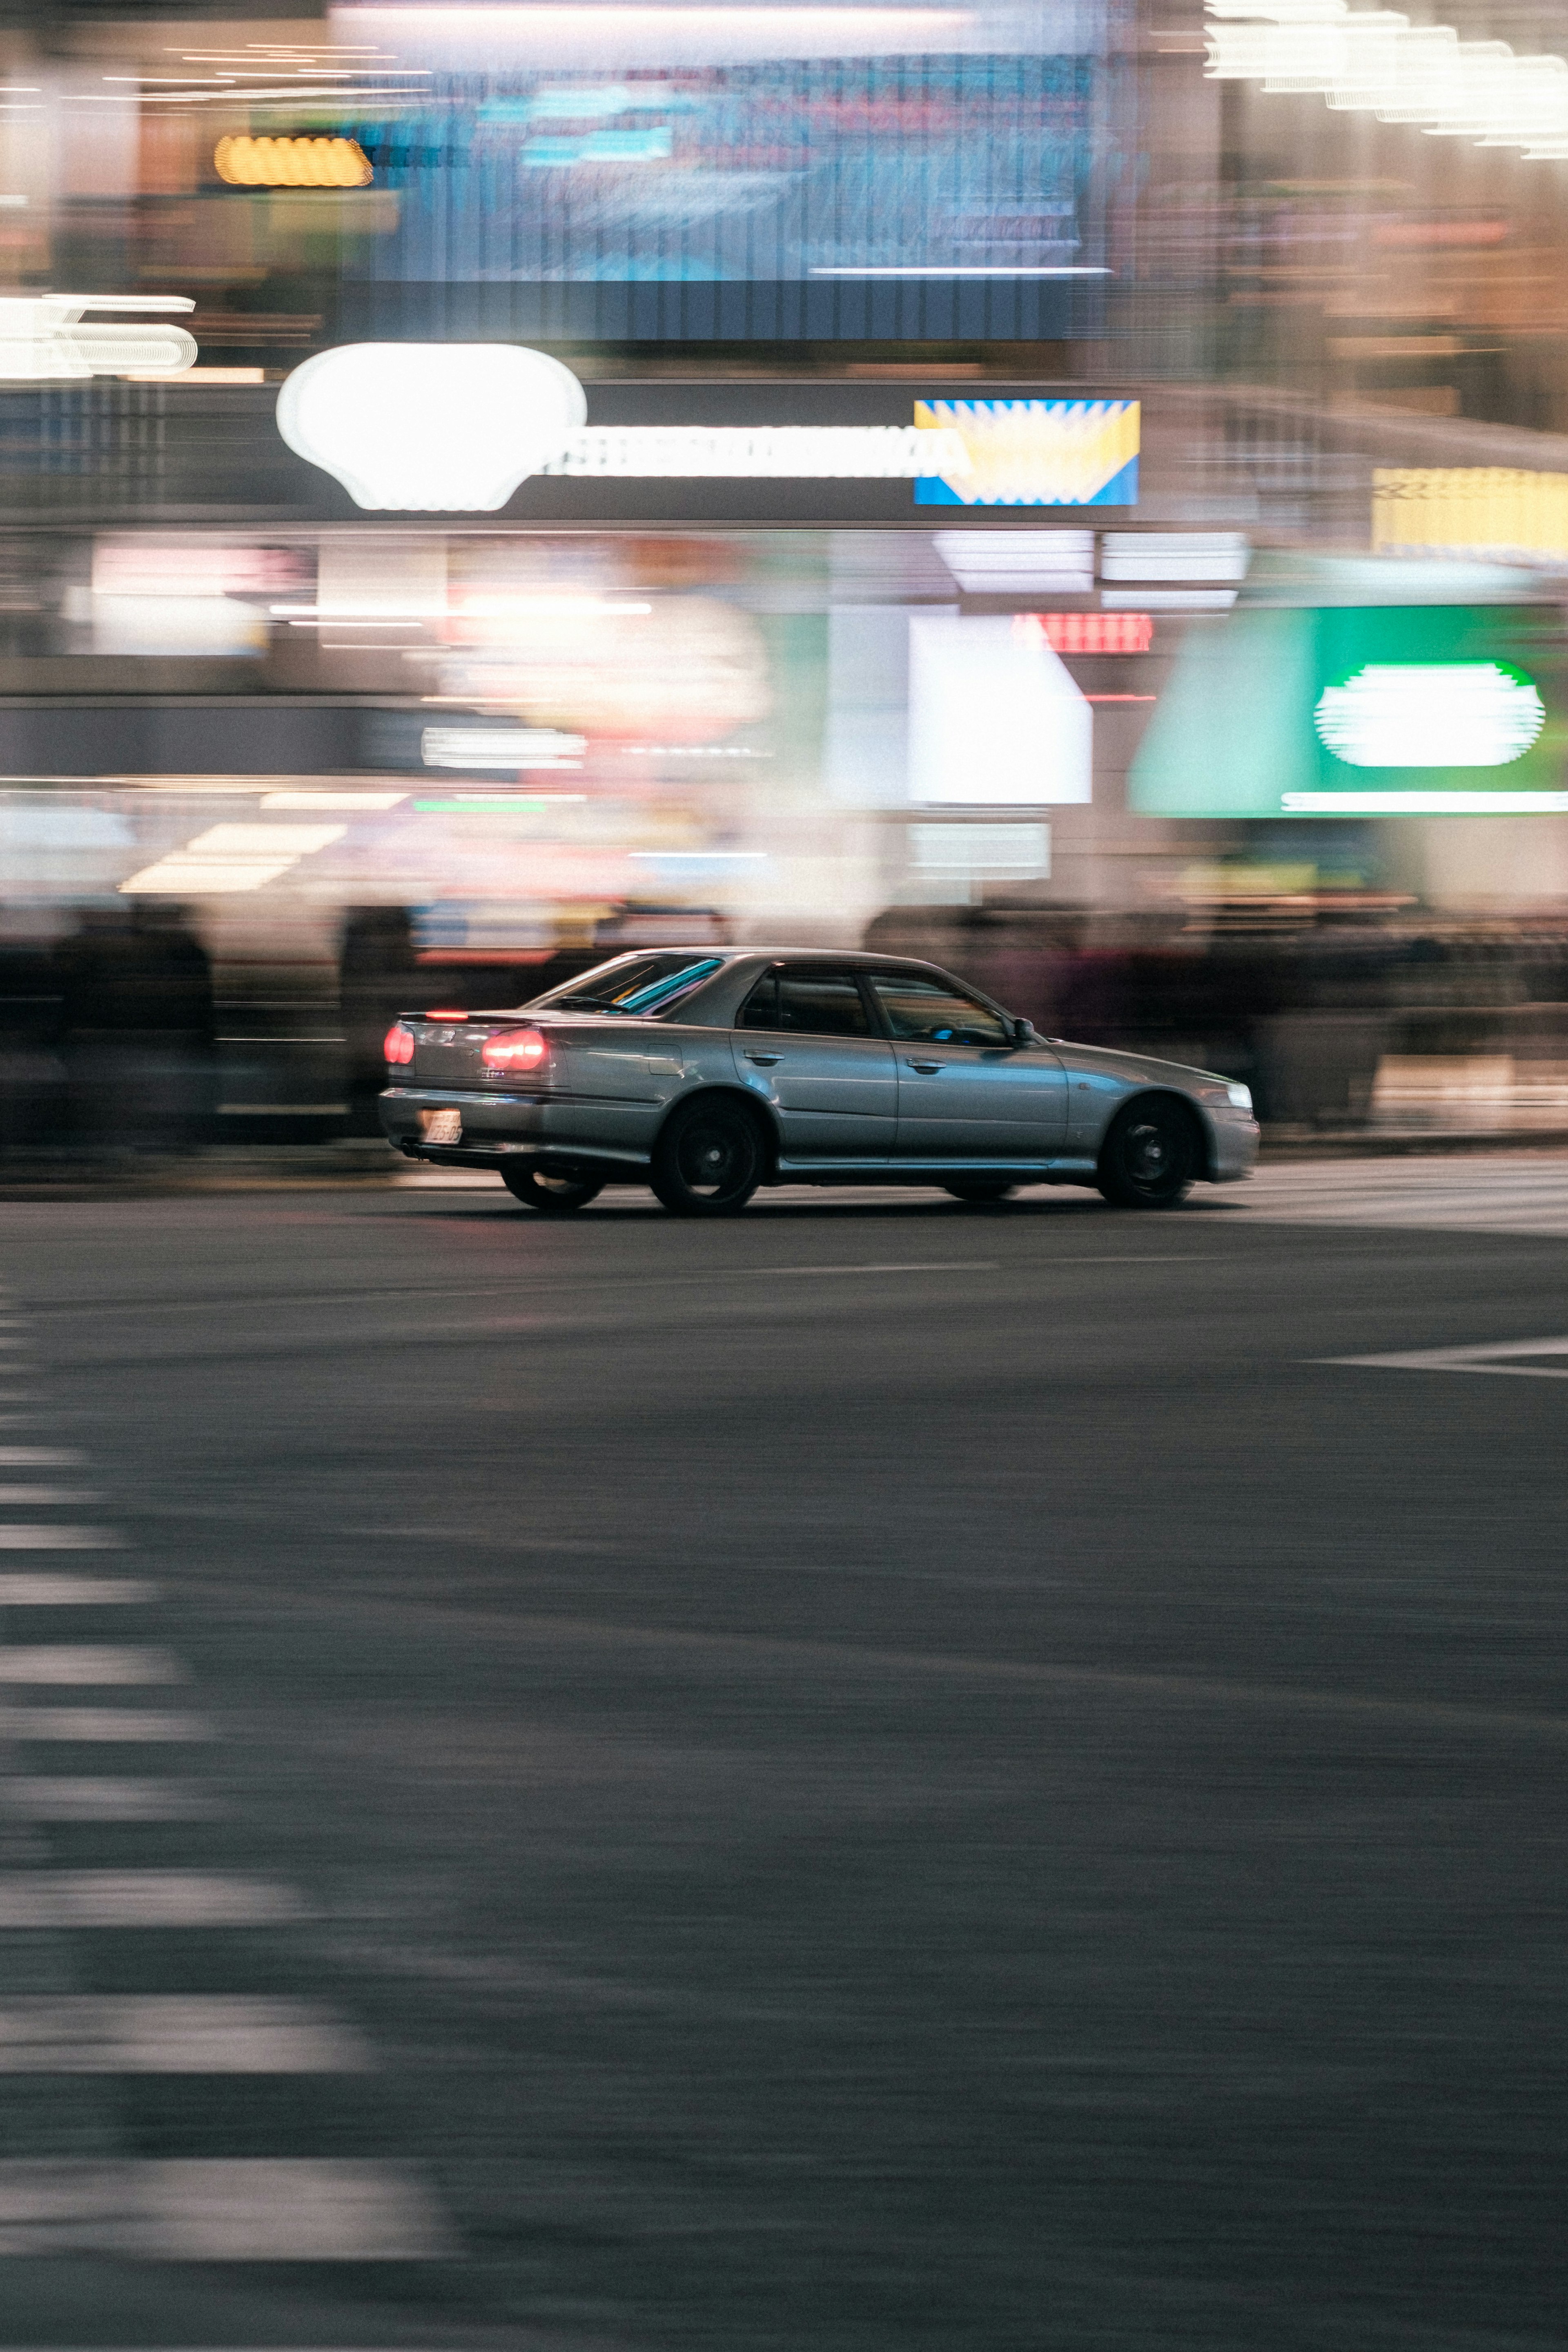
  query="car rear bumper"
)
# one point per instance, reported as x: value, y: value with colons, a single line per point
x: 495, y: 1128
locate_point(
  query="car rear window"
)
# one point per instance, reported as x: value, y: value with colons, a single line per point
x: 644, y: 984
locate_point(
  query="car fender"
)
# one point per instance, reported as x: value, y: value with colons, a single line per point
x: 759, y: 1108
x: 1149, y: 1094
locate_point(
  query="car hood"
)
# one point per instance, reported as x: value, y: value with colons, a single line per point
x: 1108, y: 1062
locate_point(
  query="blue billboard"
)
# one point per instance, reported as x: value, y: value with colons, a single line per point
x: 903, y: 172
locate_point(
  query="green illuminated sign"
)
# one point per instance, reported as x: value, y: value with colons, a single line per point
x: 1380, y: 710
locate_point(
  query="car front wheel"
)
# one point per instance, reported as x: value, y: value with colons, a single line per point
x: 553, y: 1193
x: 1150, y: 1158
x: 709, y: 1160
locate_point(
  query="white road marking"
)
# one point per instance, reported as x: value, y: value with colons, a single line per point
x: 38, y: 1458
x: 32, y: 1799
x: 253, y: 2209
x: 99, y: 1723
x: 40, y: 1538
x: 926, y: 1265
x: 143, y: 1898
x: 48, y: 1497
x: 73, y: 1592
x: 86, y: 1662
x: 175, y: 2035
x: 1490, y: 1356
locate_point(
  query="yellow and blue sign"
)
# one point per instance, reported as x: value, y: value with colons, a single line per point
x: 1034, y: 453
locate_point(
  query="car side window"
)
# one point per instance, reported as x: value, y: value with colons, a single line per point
x: 818, y: 1004
x: 934, y: 1013
x: 761, y: 1009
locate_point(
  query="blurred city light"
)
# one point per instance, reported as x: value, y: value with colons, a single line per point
x: 1430, y: 715
x: 284, y: 163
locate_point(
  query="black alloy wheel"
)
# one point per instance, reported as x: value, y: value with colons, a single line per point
x: 1151, y: 1156
x: 709, y: 1160
x: 556, y: 1192
x: 978, y: 1188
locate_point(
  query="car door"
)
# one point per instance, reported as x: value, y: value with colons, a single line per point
x: 966, y: 1092
x: 806, y: 1041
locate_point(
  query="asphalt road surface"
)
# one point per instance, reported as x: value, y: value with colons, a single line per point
x: 879, y: 1775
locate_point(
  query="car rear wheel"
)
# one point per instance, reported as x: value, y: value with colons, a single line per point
x: 978, y: 1189
x: 556, y: 1192
x: 1150, y: 1158
x: 709, y: 1160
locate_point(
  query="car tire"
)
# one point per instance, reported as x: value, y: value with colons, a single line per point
x: 709, y: 1159
x: 554, y: 1193
x: 1152, y: 1157
x: 976, y: 1190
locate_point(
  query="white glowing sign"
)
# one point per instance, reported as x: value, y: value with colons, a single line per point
x: 42, y: 337
x: 995, y: 718
x: 444, y: 428
x: 1430, y: 715
x: 453, y: 428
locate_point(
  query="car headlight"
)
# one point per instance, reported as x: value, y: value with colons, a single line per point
x: 1238, y: 1096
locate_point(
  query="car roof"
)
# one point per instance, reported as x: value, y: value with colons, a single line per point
x: 866, y: 956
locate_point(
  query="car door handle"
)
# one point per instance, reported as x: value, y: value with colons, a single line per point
x: 764, y: 1061
x: 928, y: 1067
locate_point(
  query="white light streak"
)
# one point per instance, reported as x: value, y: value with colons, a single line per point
x: 42, y: 336
x: 500, y: 747
x: 761, y: 453
x: 955, y: 269
x: 1377, y: 62
x: 1461, y: 803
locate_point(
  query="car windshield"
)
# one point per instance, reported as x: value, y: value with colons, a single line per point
x: 644, y: 984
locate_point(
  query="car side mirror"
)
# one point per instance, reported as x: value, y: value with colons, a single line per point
x: 1023, y: 1032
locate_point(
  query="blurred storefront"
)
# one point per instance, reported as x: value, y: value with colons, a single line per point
x: 1216, y: 702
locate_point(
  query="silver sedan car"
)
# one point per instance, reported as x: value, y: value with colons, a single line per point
x: 707, y: 1072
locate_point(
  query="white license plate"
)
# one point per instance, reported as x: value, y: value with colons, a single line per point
x: 442, y: 1126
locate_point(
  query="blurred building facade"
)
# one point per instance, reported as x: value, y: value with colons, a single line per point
x: 1047, y: 723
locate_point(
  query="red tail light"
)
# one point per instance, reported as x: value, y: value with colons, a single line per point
x: 514, y: 1050
x: 399, y: 1046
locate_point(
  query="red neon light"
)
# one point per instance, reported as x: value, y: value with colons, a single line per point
x: 1095, y: 632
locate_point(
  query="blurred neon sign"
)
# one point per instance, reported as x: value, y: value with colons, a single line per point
x: 454, y: 428
x: 1359, y: 711
x: 42, y: 336
x: 1032, y: 453
x: 1430, y: 715
x: 292, y: 162
x: 1094, y: 632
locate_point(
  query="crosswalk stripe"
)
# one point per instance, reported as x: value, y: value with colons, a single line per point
x: 1486, y: 1194
x: 38, y: 1458
x: 22, y: 1592
x: 99, y: 1723
x: 226, y: 2209
x: 32, y: 1799
x: 45, y: 1499
x: 87, y: 1663
x: 67, y: 1538
x: 175, y: 2033
x: 142, y: 1898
